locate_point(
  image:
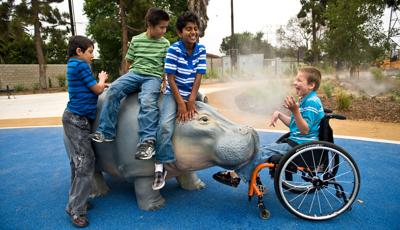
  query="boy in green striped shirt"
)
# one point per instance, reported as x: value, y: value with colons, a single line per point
x: 145, y: 56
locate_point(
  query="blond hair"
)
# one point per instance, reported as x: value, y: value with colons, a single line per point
x: 312, y: 74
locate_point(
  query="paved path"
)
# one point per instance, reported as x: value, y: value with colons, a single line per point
x: 47, y: 105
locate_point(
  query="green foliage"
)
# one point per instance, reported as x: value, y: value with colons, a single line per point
x: 105, y: 27
x: 327, y: 88
x: 377, y: 74
x: 19, y: 87
x: 110, y: 66
x: 211, y: 74
x: 17, y: 44
x: 354, y: 31
x: 35, y: 87
x: 313, y: 14
x: 247, y: 43
x: 343, y: 100
x: 62, y: 80
x: 327, y: 68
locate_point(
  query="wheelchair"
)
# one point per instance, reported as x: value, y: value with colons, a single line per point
x: 315, y: 181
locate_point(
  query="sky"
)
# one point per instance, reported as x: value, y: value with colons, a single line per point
x: 249, y: 15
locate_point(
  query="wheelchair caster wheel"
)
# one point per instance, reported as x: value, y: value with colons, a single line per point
x: 265, y: 214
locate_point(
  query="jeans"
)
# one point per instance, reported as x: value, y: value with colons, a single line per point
x: 164, y: 149
x: 261, y: 156
x: 81, y: 158
x: 149, y: 88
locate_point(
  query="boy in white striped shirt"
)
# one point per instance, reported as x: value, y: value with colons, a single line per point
x: 185, y: 64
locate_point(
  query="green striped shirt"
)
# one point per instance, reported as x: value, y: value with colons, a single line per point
x: 147, y: 55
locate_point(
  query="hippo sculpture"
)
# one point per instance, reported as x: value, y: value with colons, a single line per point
x: 207, y: 140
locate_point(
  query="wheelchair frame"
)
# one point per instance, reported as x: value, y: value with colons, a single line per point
x: 324, y: 189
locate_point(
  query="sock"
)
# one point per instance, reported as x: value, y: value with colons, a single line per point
x: 159, y: 167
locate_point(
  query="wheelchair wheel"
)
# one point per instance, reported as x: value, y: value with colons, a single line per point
x: 317, y: 181
x: 300, y: 186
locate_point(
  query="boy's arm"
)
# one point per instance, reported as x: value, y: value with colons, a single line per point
x: 291, y: 104
x: 281, y: 116
x: 101, y: 85
x: 181, y: 113
x: 191, y: 105
x: 201, y: 70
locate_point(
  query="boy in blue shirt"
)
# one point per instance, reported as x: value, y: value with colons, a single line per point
x: 77, y: 120
x: 306, y: 114
x: 185, y: 64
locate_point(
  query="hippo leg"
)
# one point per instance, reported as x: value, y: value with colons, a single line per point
x: 99, y: 186
x: 146, y: 197
x: 190, y: 181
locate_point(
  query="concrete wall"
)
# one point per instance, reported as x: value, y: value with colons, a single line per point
x: 28, y: 75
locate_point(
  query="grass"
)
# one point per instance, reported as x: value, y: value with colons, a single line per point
x: 343, y: 100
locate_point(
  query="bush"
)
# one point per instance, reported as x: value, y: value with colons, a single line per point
x: 62, y: 80
x: 343, y: 100
x: 50, y: 84
x: 327, y: 88
x: 35, y: 86
x: 211, y: 74
x: 377, y: 74
x: 19, y: 87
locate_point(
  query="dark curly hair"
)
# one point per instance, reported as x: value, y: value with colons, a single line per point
x: 186, y: 17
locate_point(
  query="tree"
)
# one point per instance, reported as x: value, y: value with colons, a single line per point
x: 38, y: 13
x: 354, y: 33
x: 313, y: 13
x: 248, y: 43
x: 113, y: 23
x: 293, y: 37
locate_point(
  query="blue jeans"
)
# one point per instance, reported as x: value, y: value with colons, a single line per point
x: 149, y: 92
x: 164, y: 149
x: 261, y: 156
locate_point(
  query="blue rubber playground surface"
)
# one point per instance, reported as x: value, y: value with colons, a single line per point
x: 35, y: 177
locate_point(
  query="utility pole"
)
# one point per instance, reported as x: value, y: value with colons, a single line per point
x: 72, y: 17
x: 233, y: 51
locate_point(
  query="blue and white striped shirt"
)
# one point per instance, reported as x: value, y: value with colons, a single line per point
x: 312, y: 111
x: 184, y: 67
x: 82, y: 100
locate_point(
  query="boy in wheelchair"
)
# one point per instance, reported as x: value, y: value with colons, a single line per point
x: 303, y: 123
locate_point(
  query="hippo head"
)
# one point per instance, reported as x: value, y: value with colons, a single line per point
x: 210, y: 139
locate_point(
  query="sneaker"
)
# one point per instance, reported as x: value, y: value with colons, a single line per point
x: 145, y: 150
x: 79, y: 221
x: 99, y: 137
x: 159, y: 180
x: 225, y: 177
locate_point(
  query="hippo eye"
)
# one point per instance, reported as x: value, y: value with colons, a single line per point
x: 203, y: 119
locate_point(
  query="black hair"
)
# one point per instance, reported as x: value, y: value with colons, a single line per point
x: 154, y: 15
x: 78, y: 42
x: 186, y: 17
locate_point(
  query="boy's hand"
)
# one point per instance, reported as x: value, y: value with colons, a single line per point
x: 274, y: 119
x: 291, y: 104
x: 103, y: 76
x: 181, y: 113
x: 191, y: 109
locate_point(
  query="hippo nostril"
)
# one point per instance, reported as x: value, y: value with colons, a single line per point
x: 244, y: 130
